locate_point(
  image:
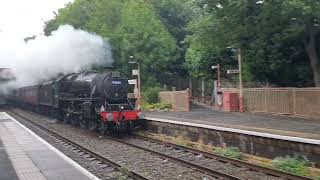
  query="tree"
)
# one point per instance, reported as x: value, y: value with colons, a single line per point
x: 305, y: 17
x: 132, y: 27
x: 271, y: 44
x: 176, y: 15
x: 144, y: 36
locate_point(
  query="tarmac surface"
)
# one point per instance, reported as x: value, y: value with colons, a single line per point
x: 273, y: 124
x: 25, y: 156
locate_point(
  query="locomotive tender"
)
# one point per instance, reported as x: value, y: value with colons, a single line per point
x: 97, y: 101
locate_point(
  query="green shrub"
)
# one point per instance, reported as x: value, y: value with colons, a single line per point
x: 231, y: 152
x: 296, y: 165
x: 156, y: 106
x: 151, y: 95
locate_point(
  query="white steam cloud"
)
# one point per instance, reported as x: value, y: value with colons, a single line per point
x: 66, y: 51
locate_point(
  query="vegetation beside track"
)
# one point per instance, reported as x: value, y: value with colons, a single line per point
x: 296, y: 165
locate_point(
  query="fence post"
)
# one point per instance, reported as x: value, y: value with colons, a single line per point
x: 173, y: 100
x: 190, y: 86
x: 188, y: 106
x: 203, y: 90
x: 294, y: 96
x: 266, y: 100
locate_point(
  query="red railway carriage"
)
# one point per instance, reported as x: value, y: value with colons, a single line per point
x: 29, y: 95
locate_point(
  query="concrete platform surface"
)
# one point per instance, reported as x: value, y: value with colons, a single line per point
x: 25, y: 156
x: 272, y: 124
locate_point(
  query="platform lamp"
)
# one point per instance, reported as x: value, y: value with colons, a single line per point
x: 241, y: 100
x: 218, y: 68
x: 132, y: 61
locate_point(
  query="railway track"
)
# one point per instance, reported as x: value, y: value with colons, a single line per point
x: 90, y: 155
x: 200, y: 168
x: 217, y: 174
x: 205, y: 169
x: 150, y: 146
x: 223, y: 159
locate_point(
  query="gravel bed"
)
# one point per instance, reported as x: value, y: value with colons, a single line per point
x: 241, y: 172
x: 99, y: 169
x: 133, y: 159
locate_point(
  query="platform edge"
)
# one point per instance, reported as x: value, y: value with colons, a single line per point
x: 239, y: 131
x: 60, y: 154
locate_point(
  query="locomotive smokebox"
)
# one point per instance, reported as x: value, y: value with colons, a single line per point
x: 111, y: 86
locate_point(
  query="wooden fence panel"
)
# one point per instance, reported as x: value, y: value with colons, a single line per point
x: 255, y: 100
x: 292, y: 101
x: 307, y: 102
x: 178, y: 99
x: 280, y: 101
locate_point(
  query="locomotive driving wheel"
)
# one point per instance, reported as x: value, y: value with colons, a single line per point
x: 66, y: 117
x: 83, y: 122
x: 75, y: 120
x: 93, y: 125
x: 103, y: 127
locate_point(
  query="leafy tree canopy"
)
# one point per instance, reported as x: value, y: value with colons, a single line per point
x: 279, y: 39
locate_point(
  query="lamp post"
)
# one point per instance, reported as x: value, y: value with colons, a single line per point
x: 218, y: 68
x: 139, y: 78
x: 241, y: 106
x: 239, y: 71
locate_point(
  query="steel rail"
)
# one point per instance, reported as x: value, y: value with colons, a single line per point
x: 205, y: 170
x: 224, y: 159
x: 93, y: 154
x: 202, y: 169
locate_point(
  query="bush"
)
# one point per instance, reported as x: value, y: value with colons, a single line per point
x: 231, y: 152
x: 157, y: 106
x: 151, y: 95
x: 297, y: 165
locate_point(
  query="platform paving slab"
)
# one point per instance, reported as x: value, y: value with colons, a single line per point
x: 7, y: 171
x: 25, y: 156
x: 273, y: 124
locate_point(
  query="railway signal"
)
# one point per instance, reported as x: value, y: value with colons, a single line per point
x: 137, y: 73
x: 233, y: 71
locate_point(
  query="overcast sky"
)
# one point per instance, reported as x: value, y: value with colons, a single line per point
x: 22, y: 18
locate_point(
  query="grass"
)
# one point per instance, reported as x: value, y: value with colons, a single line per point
x: 183, y: 142
x: 297, y: 165
x: 124, y: 173
x: 231, y: 152
x: 156, y: 107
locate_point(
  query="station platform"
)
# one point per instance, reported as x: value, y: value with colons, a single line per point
x: 25, y: 156
x: 244, y: 122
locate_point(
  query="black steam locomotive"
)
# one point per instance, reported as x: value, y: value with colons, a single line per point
x: 92, y: 100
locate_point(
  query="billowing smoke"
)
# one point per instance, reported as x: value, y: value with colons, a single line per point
x: 66, y: 51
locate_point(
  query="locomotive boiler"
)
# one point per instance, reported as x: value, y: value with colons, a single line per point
x: 97, y: 101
